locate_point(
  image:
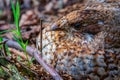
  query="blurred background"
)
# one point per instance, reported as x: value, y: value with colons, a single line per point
x: 32, y: 11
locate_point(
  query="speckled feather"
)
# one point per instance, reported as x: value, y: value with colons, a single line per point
x: 85, y: 44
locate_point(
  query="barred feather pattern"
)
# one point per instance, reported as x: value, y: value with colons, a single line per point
x: 85, y: 43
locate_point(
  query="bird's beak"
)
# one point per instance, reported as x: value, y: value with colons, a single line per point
x: 55, y: 27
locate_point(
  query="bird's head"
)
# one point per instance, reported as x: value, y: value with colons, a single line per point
x: 85, y: 21
x: 59, y: 25
x: 83, y: 24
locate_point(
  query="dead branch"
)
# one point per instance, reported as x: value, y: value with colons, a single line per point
x: 36, y: 54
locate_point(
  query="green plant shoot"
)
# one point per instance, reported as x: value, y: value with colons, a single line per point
x: 17, y: 33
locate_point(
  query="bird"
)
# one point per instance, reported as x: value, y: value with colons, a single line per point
x: 85, y: 43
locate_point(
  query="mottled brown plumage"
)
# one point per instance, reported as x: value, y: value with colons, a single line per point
x: 85, y: 43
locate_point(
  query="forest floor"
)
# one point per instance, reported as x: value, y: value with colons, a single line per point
x: 14, y: 63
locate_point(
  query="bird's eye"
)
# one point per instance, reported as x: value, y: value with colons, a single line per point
x: 101, y: 0
x: 77, y: 25
x: 100, y: 22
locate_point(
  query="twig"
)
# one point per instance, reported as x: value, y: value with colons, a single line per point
x: 4, y: 48
x: 41, y: 36
x: 36, y: 54
x: 5, y: 52
x: 16, y: 52
x: 2, y: 42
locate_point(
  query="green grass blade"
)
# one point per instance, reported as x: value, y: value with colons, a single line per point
x: 19, y: 42
x: 26, y: 43
x: 13, y: 8
x: 1, y: 39
x: 17, y: 15
x: 18, y: 9
x: 4, y: 31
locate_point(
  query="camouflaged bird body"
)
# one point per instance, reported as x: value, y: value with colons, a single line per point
x: 111, y: 8
x: 85, y: 43
x: 79, y: 56
x: 95, y: 18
